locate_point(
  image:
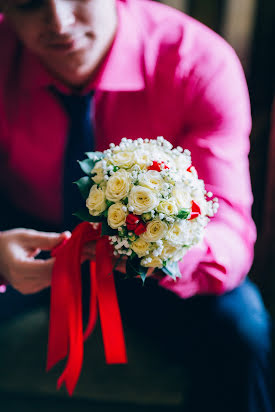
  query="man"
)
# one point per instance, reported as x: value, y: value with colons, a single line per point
x: 151, y: 71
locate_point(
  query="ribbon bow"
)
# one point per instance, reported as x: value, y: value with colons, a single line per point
x: 66, y: 335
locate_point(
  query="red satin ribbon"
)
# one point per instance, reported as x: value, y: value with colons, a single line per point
x: 66, y: 327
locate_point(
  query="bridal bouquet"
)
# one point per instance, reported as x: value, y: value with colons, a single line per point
x: 149, y: 201
x: 145, y: 198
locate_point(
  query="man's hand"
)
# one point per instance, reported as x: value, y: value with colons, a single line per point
x: 18, y: 248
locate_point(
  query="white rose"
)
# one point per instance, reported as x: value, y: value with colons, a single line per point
x: 143, y: 158
x: 142, y: 200
x: 155, y: 230
x: 168, y: 207
x: 140, y: 247
x: 177, y: 235
x: 116, y: 215
x: 118, y: 186
x: 152, y: 179
x: 96, y: 201
x: 198, y: 197
x: 124, y: 159
x: 194, y: 232
x: 182, y: 162
x: 182, y: 197
x: 168, y: 250
x: 154, y: 262
x: 98, y: 171
x: 179, y: 254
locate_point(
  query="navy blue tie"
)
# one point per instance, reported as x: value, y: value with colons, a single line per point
x: 80, y: 140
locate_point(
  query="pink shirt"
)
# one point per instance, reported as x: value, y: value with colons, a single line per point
x: 165, y: 75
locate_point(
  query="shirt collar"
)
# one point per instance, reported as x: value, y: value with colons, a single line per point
x: 121, y: 70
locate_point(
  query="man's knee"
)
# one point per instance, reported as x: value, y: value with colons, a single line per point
x: 244, y: 319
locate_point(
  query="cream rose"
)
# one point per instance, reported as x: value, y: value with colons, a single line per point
x: 154, y: 262
x: 143, y: 158
x: 182, y: 198
x: 124, y: 159
x: 182, y: 162
x: 152, y: 179
x: 168, y: 250
x: 179, y: 254
x: 116, y: 215
x: 96, y: 201
x: 178, y: 233
x: 155, y: 230
x: 142, y: 200
x: 140, y: 247
x: 118, y: 186
x: 199, y: 198
x: 98, y: 172
x: 168, y: 207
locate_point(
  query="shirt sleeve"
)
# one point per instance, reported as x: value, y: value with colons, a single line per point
x: 217, y: 134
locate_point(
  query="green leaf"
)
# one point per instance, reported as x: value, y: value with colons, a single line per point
x: 109, y: 203
x: 84, y: 185
x: 83, y: 214
x: 107, y: 230
x: 105, y: 213
x: 134, y: 269
x: 133, y: 255
x: 183, y: 214
x: 95, y: 156
x: 143, y: 276
x: 172, y: 269
x: 87, y: 166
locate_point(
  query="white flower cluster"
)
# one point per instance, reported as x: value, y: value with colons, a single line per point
x: 152, y: 197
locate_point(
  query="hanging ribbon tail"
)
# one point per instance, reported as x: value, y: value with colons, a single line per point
x: 58, y: 324
x: 75, y: 356
x: 111, y: 325
x: 93, y: 302
x: 66, y: 326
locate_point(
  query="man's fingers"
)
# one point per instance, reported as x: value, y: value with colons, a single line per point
x: 45, y: 240
x: 30, y: 287
x: 35, y: 275
x: 37, y: 268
